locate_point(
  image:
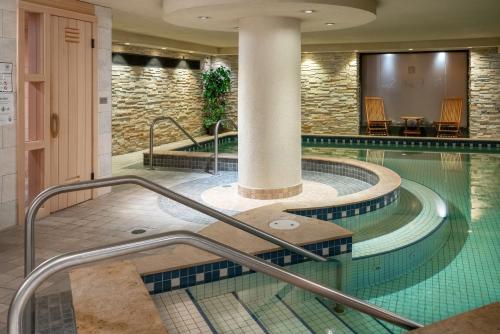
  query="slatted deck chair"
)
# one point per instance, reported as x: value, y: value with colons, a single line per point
x: 451, y: 114
x: 378, y: 124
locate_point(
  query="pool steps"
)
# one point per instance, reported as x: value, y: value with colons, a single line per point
x: 388, y: 256
x: 240, y: 312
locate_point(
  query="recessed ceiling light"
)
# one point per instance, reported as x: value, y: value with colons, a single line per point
x: 329, y: 24
x: 410, y: 49
x: 203, y: 17
x: 308, y: 11
x: 127, y: 43
x: 163, y: 48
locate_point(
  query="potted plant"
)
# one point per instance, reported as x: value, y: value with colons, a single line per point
x: 216, y: 85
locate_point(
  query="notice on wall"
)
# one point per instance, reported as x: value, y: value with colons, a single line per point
x: 6, y: 94
x: 6, y: 108
x: 6, y: 78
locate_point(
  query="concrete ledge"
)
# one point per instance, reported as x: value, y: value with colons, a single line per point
x: 481, y: 320
x: 310, y: 231
x: 111, y: 298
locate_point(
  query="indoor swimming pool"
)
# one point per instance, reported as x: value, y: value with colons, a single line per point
x: 462, y: 274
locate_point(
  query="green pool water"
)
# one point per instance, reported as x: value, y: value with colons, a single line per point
x: 465, y: 273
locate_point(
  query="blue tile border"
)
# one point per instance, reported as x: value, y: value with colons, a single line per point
x: 424, y: 142
x: 210, y: 272
x: 344, y: 211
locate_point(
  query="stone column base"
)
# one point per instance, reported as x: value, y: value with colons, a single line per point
x: 276, y: 193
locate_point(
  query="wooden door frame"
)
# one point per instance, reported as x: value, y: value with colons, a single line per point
x: 65, y: 8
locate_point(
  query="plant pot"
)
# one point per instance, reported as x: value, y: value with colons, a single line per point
x: 211, y: 129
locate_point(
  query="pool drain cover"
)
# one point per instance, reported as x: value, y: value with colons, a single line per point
x: 284, y: 224
x: 140, y: 229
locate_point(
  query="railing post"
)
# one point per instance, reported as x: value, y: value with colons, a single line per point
x: 216, y: 148
x: 216, y: 143
x: 151, y: 144
x: 151, y: 135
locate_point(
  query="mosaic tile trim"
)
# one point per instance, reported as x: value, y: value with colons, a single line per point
x: 458, y: 143
x: 201, y: 274
x: 332, y: 167
x: 418, y: 142
x: 189, y: 162
x: 337, y: 212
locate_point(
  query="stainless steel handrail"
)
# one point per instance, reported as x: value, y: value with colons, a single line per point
x: 132, y: 179
x: 152, y: 137
x: 69, y: 260
x: 216, y: 142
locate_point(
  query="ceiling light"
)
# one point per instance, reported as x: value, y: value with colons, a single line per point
x: 308, y: 11
x: 410, y: 49
x: 127, y: 43
x: 329, y: 24
x: 203, y: 17
x: 163, y: 48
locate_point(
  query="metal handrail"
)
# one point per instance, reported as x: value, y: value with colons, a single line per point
x: 152, y: 137
x: 69, y: 260
x: 132, y: 179
x: 216, y: 142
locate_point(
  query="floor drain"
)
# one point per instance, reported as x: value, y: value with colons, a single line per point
x: 284, y: 224
x: 138, y: 231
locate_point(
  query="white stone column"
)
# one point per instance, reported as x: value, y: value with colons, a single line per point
x: 269, y: 114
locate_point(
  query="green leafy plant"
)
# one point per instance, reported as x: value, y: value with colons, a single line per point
x: 216, y: 86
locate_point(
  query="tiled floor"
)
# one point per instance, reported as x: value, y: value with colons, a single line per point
x: 107, y: 219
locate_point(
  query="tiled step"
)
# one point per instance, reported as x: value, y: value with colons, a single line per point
x: 319, y: 317
x: 180, y: 314
x: 361, y: 323
x: 228, y: 315
x: 274, y: 315
x: 433, y: 213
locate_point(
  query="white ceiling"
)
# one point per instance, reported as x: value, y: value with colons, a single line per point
x: 397, y: 20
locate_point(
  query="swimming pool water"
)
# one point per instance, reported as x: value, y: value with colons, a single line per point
x: 465, y: 273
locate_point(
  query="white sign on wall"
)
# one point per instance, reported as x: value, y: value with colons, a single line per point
x: 6, y: 108
x: 6, y: 94
x: 6, y: 77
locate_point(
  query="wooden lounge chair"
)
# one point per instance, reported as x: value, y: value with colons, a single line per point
x: 375, y: 116
x: 451, y: 114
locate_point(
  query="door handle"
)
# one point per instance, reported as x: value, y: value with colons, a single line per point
x: 54, y: 125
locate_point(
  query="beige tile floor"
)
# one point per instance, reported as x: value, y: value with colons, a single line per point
x: 105, y: 220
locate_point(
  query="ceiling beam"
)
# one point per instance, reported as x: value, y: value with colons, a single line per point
x: 120, y: 36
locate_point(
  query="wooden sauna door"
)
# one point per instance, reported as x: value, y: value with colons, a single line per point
x: 70, y: 107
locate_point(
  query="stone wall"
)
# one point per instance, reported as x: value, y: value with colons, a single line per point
x: 8, y: 207
x: 484, y: 98
x: 141, y: 94
x: 330, y: 93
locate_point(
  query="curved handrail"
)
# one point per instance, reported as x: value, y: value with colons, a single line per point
x: 69, y: 260
x: 216, y: 142
x: 132, y: 179
x: 152, y: 137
